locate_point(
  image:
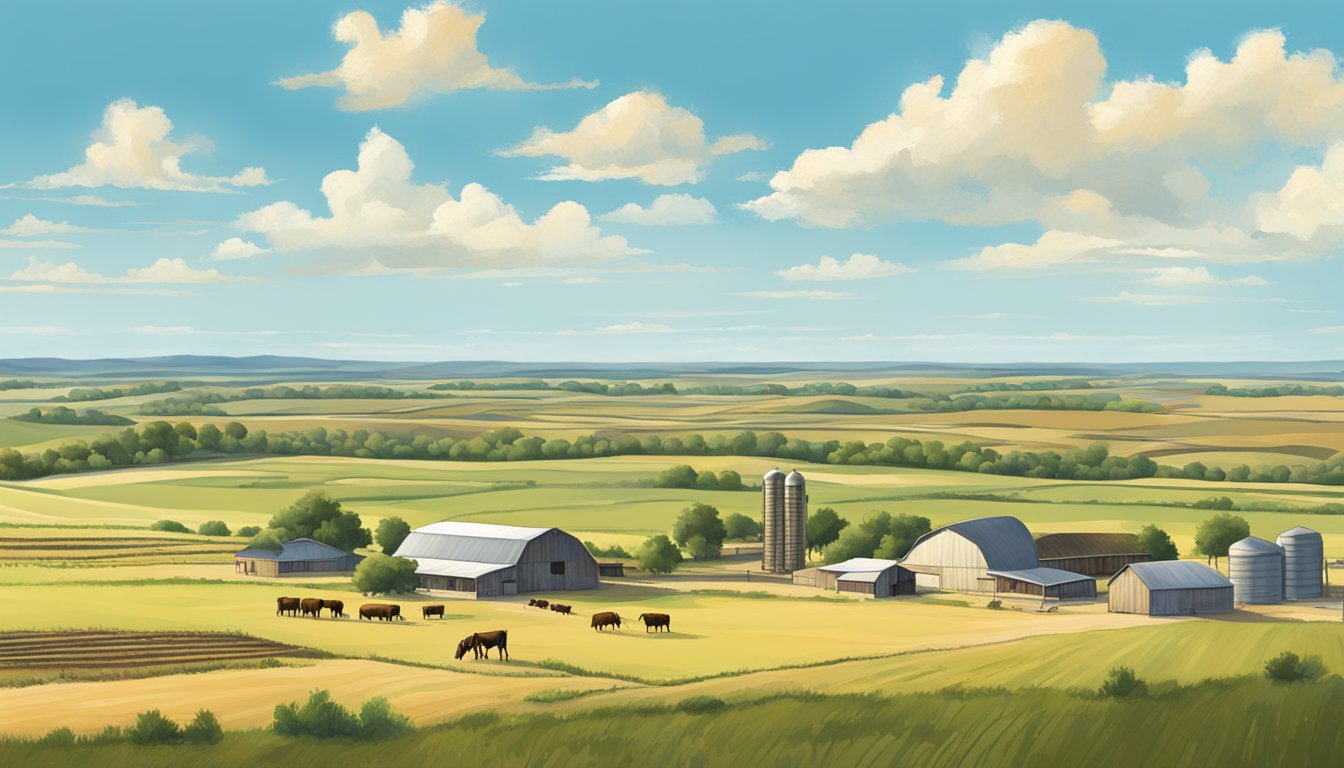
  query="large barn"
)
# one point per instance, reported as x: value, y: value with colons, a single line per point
x: 1169, y: 588
x: 861, y: 575
x: 296, y: 556
x: 493, y: 560
x: 989, y: 554
x: 1100, y: 555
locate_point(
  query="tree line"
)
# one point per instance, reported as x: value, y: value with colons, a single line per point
x: 1278, y: 390
x: 86, y: 394
x: 201, y: 403
x: 62, y: 415
x: 1091, y: 402
x: 686, y: 476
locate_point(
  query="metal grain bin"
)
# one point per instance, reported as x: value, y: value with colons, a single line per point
x: 795, y: 522
x: 772, y: 521
x: 1255, y: 567
x: 1303, y: 560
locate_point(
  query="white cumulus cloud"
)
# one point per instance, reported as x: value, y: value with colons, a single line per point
x: 236, y: 248
x: 133, y: 148
x: 29, y: 225
x: 386, y: 221
x: 859, y: 266
x: 665, y: 210
x: 162, y: 271
x: 434, y: 52
x: 637, y: 136
x: 1180, y: 277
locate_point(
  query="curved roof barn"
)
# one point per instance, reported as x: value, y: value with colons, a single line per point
x: 1004, y: 542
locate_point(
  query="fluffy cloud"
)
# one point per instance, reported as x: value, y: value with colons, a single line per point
x: 859, y: 266
x: 386, y: 221
x: 236, y: 248
x: 163, y: 271
x: 812, y: 295
x: 665, y: 210
x: 1181, y: 277
x: 1032, y: 132
x: 637, y: 136
x: 29, y: 225
x: 434, y: 52
x: 133, y: 149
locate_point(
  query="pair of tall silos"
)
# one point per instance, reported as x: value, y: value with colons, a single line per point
x: 1264, y: 572
x: 783, y: 522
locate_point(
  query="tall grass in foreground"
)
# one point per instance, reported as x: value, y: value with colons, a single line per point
x: 1235, y: 722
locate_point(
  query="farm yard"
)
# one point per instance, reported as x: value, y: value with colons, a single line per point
x: 109, y: 614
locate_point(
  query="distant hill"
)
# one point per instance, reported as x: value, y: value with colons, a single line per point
x: 280, y: 368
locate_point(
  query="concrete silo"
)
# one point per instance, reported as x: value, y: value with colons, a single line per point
x: 795, y: 522
x: 1255, y: 567
x: 1303, y: 561
x: 772, y: 521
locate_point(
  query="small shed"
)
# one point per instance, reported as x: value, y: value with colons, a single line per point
x: 863, y: 575
x: 611, y: 570
x: 1100, y: 555
x: 297, y: 556
x: 1045, y: 583
x: 1169, y: 588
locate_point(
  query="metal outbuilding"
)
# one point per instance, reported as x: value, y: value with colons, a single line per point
x: 1303, y: 563
x: 1093, y: 554
x: 959, y: 556
x: 295, y: 556
x: 865, y: 575
x: 1255, y: 567
x: 1045, y: 583
x: 492, y: 560
x: 1169, y: 588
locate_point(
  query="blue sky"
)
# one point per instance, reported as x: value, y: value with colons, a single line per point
x: 1115, y: 182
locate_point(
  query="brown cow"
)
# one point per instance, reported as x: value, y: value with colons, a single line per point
x: 542, y: 604
x: 656, y: 621
x: 558, y: 608
x: 431, y: 610
x: 481, y: 642
x: 606, y: 619
x: 288, y: 605
x: 380, y: 611
x: 311, y: 605
x: 337, y: 608
x: 532, y: 603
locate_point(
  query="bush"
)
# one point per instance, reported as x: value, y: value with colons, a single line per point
x: 378, y: 720
x: 994, y: 605
x: 701, y: 704
x: 658, y: 554
x: 739, y: 527
x: 204, y: 729
x: 1288, y: 667
x: 153, y: 728
x: 249, y: 531
x: 320, y: 718
x: 59, y: 737
x: 171, y: 526
x: 616, y: 550
x: 1121, y: 682
x: 213, y: 528
x: 391, y: 532
x: 384, y: 574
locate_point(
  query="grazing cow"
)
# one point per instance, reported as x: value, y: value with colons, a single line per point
x: 543, y: 604
x: 532, y: 603
x: 311, y: 605
x: 656, y: 621
x: 431, y: 610
x: 337, y: 608
x: 558, y: 608
x: 285, y: 605
x: 380, y: 611
x: 606, y: 619
x: 480, y: 644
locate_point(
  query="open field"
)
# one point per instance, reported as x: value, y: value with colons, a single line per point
x: 77, y: 556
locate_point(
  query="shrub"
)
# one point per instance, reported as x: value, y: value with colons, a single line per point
x: 270, y: 662
x: 616, y: 550
x: 249, y: 531
x: 1288, y: 667
x: 59, y: 737
x: 739, y: 527
x: 153, y: 728
x: 658, y: 554
x: 320, y: 717
x: 213, y: 528
x: 1121, y: 682
x: 171, y: 526
x: 994, y: 605
x: 378, y: 720
x: 701, y: 704
x: 384, y: 574
x: 204, y: 729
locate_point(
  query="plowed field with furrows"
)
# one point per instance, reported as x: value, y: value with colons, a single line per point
x: 98, y: 650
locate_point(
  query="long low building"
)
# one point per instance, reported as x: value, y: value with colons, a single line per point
x: 1169, y: 588
x: 1045, y: 583
x: 862, y: 575
x: 496, y: 560
x: 295, y: 556
x: 1101, y: 555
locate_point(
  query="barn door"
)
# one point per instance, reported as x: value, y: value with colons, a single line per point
x: 510, y: 587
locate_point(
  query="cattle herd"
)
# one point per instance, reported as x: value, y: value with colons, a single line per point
x: 479, y: 643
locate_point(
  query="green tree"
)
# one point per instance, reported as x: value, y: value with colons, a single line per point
x: 823, y: 527
x: 1157, y: 543
x: 739, y: 527
x: 901, y: 536
x: 208, y: 436
x: 1216, y: 534
x: 391, y: 532
x: 679, y: 476
x: 700, y: 520
x: 235, y: 430
x: 319, y: 517
x: 707, y: 480
x: 730, y: 480
x: 268, y: 538
x: 213, y: 528
x: 383, y: 574
x: 658, y: 554
x: 248, y: 531
x: 171, y: 526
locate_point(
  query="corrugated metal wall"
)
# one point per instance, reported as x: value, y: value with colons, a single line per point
x: 960, y: 564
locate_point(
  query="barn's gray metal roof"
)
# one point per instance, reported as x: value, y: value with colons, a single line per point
x: 864, y: 577
x: 469, y: 542
x: 1004, y: 541
x: 860, y: 565
x: 1175, y: 574
x: 1044, y: 577
x: 456, y: 568
x: 298, y: 549
x: 1252, y: 546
